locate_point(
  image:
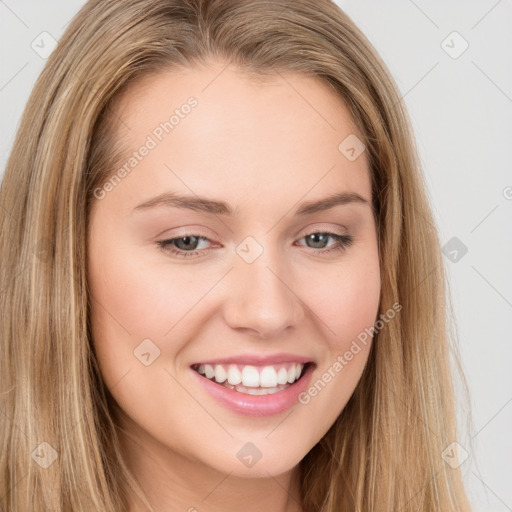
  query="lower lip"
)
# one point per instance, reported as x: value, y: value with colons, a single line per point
x: 257, y: 405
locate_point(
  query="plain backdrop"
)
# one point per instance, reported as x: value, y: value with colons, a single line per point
x: 452, y: 63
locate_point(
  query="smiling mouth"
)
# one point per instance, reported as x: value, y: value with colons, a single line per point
x: 253, y: 380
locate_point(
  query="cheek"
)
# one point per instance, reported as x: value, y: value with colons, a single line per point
x: 347, y: 299
x: 136, y: 297
x: 346, y: 302
x: 140, y: 296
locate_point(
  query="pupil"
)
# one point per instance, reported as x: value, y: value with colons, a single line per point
x: 186, y: 240
x: 315, y: 239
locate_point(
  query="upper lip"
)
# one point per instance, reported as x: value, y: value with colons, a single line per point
x: 257, y: 359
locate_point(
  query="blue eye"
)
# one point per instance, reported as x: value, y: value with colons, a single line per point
x: 320, y: 239
x: 187, y: 246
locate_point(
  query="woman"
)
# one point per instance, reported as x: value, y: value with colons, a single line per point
x: 222, y: 283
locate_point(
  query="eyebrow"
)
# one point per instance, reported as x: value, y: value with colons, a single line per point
x: 212, y: 206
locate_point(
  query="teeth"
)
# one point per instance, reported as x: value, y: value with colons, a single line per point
x: 255, y: 391
x: 209, y: 371
x: 234, y: 375
x: 252, y: 377
x: 268, y: 377
x: 291, y: 374
x: 220, y: 374
x: 282, y: 376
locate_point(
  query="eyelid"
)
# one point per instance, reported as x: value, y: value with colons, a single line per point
x: 342, y: 243
x: 299, y: 235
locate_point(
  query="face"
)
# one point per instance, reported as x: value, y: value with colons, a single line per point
x: 221, y: 252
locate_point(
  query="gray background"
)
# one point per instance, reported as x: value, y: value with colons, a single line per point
x: 461, y: 106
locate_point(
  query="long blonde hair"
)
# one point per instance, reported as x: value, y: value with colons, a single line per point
x: 384, y: 452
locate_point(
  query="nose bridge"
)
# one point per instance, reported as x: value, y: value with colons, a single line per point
x: 262, y: 298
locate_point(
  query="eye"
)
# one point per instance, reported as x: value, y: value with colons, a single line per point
x: 188, y: 245
x: 319, y: 240
x: 184, y: 246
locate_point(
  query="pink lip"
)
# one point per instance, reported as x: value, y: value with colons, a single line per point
x: 258, y: 359
x: 257, y: 405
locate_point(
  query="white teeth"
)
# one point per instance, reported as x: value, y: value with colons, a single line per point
x: 291, y: 374
x: 268, y: 377
x: 220, y: 374
x: 255, y: 391
x: 250, y: 376
x: 209, y: 371
x: 260, y: 391
x: 282, y: 376
x: 234, y: 375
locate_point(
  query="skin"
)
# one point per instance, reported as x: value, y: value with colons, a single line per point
x: 262, y: 146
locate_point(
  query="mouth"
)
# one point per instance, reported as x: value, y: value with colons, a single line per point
x: 255, y: 385
x: 254, y: 379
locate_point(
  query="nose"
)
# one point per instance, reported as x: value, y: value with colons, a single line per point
x: 262, y: 298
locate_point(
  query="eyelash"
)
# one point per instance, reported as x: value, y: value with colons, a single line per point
x: 343, y: 242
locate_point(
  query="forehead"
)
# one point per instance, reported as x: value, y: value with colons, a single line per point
x: 246, y: 134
